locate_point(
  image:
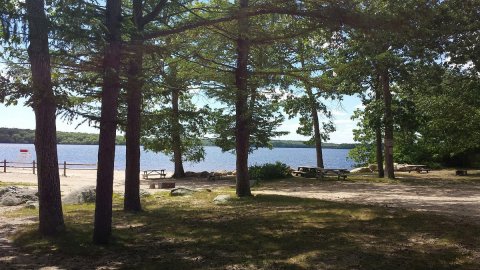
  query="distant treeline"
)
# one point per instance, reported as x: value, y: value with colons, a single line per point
x: 15, y: 135
x: 296, y: 144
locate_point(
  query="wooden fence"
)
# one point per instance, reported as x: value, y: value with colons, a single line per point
x: 33, y: 165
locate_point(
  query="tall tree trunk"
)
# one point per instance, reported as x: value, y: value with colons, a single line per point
x: 316, y: 126
x: 242, y: 117
x: 133, y: 129
x: 108, y: 125
x: 379, y: 151
x: 134, y: 109
x: 378, y: 134
x: 388, y: 118
x: 50, y: 205
x: 176, y: 138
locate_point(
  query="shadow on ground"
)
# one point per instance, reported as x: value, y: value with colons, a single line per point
x: 262, y: 232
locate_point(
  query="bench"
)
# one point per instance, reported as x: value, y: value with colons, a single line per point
x: 339, y: 173
x: 154, y: 174
x: 417, y: 168
x: 306, y: 171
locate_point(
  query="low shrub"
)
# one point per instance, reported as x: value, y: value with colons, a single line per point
x: 269, y: 171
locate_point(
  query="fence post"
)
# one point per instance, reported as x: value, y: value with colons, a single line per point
x: 4, y: 165
x: 64, y: 168
x: 33, y: 166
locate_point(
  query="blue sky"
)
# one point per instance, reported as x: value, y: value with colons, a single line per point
x: 20, y: 116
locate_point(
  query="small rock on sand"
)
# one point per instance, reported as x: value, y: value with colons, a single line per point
x: 81, y: 195
x: 181, y: 192
x: 223, y: 198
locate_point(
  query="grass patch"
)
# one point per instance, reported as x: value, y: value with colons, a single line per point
x: 7, y: 184
x: 261, y: 232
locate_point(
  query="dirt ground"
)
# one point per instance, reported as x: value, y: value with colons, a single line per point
x: 438, y: 192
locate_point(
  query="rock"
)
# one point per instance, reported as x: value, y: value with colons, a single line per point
x: 81, y: 195
x: 13, y: 195
x: 253, y: 183
x: 373, y: 167
x: 204, y: 174
x: 181, y: 192
x: 222, y: 199
x: 402, y: 167
x: 361, y: 170
x: 144, y: 193
x: 11, y: 200
x: 31, y: 205
x: 190, y: 174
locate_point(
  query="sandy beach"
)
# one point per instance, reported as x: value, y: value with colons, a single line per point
x: 76, y: 179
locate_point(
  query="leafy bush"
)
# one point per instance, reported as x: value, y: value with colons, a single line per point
x: 269, y: 171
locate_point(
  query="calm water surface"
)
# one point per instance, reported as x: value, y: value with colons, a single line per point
x: 214, y: 160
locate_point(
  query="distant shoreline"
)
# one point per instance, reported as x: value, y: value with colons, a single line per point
x: 27, y: 136
x: 332, y: 146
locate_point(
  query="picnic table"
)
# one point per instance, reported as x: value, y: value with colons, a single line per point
x: 154, y: 174
x: 318, y: 172
x: 417, y: 168
x: 306, y: 171
x: 333, y: 172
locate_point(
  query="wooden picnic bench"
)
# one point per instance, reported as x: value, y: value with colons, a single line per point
x: 339, y: 173
x: 417, y: 168
x: 306, y: 171
x: 309, y: 171
x: 154, y: 174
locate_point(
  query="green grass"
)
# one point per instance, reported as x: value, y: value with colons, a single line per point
x: 261, y: 232
x: 7, y: 184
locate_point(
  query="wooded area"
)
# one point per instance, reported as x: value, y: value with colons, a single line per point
x: 27, y: 136
x: 168, y: 72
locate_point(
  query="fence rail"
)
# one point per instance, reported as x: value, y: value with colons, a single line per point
x: 33, y: 165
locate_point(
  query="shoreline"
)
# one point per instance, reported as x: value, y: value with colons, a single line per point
x: 76, y: 179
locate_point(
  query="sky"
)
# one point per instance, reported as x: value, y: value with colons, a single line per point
x: 20, y: 116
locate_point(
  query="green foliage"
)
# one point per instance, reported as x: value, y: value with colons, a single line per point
x: 15, y: 135
x: 269, y: 171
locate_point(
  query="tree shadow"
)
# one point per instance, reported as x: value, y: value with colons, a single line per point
x: 263, y: 232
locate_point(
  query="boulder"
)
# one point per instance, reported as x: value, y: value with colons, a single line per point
x: 401, y: 167
x: 182, y: 192
x: 373, y: 167
x: 204, y: 174
x: 190, y: 174
x: 82, y: 195
x: 223, y: 198
x: 361, y: 170
x: 31, y: 205
x: 13, y: 195
x: 11, y: 200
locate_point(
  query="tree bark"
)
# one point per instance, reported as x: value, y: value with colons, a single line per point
x: 50, y: 205
x: 108, y: 125
x: 242, y: 131
x: 378, y: 135
x: 176, y: 138
x: 388, y: 119
x: 316, y: 126
x: 134, y: 109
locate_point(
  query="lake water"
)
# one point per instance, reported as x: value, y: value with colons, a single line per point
x: 214, y: 160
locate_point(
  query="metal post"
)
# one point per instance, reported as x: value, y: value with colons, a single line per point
x: 33, y: 166
x: 64, y: 168
x: 4, y: 165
